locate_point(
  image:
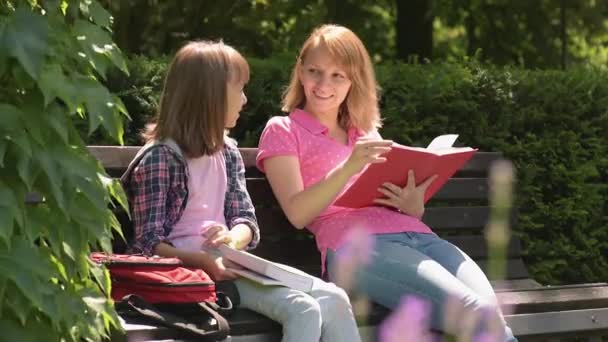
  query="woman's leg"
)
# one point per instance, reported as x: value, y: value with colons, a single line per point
x: 459, y: 264
x: 397, y: 268
x: 298, y: 313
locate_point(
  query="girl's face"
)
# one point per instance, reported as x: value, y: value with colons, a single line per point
x: 326, y: 84
x: 236, y: 101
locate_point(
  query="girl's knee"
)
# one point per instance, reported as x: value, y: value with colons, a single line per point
x: 303, y: 307
x: 334, y: 302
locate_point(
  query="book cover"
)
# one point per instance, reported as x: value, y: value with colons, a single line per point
x: 438, y: 158
x: 287, y: 276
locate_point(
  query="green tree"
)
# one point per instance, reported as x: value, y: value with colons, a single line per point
x: 542, y: 33
x: 52, y: 58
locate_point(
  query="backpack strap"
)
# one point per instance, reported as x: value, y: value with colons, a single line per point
x: 141, y: 307
x: 124, y: 178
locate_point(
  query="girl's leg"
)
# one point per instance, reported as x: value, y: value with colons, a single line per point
x: 337, y: 319
x: 298, y: 313
x: 339, y: 323
x: 396, y: 268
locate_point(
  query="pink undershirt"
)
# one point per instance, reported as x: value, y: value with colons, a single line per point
x: 301, y: 135
x: 207, y: 184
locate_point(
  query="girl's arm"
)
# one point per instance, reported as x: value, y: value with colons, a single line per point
x: 238, y: 208
x: 148, y: 187
x: 211, y: 264
x: 300, y: 205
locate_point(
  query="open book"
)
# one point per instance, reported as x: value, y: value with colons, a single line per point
x: 267, y: 272
x: 438, y: 158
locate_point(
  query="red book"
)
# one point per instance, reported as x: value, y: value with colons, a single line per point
x: 439, y: 158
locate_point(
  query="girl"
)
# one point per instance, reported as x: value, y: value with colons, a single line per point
x: 187, y: 192
x: 311, y: 155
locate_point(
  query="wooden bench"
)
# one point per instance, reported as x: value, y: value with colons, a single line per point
x: 458, y: 213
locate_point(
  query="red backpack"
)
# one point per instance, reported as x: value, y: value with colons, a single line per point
x: 138, y: 282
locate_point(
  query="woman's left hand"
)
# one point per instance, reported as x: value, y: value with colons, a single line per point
x: 409, y: 199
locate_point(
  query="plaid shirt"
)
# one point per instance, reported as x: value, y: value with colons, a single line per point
x: 158, y: 193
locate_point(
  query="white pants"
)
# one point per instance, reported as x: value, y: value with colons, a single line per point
x: 324, y: 314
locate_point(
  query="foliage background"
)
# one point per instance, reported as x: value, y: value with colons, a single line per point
x: 534, y: 34
x: 53, y: 58
x: 552, y: 124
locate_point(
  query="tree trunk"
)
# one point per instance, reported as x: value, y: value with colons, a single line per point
x: 414, y: 28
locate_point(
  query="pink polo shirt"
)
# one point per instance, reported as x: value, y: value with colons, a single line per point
x: 301, y: 135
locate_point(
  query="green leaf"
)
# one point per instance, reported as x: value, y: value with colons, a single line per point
x: 49, y: 166
x: 2, y: 151
x: 26, y: 171
x: 54, y: 83
x: 98, y: 47
x: 25, y: 38
x: 6, y: 224
x: 10, y: 118
x: 9, y: 211
x: 24, y: 265
x: 13, y: 331
x: 22, y: 142
x: 101, y: 108
x: 56, y: 118
x: 116, y: 191
x: 99, y: 14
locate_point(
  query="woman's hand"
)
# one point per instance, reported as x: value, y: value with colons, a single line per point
x: 366, y: 152
x: 409, y: 199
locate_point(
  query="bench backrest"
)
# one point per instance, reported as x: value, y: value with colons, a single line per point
x: 458, y: 212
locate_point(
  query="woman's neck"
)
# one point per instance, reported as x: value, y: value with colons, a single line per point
x: 329, y: 120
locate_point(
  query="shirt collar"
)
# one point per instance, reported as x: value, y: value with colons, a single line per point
x: 308, y: 122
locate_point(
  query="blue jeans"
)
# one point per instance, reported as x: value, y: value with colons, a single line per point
x: 429, y: 267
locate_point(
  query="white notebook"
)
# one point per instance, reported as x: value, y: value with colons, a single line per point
x: 267, y: 272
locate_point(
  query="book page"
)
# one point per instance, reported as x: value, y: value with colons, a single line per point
x: 258, y: 278
x: 286, y: 275
x: 442, y: 142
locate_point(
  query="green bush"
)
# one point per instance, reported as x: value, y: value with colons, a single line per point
x: 552, y: 124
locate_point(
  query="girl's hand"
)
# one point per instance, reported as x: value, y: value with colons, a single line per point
x: 218, y: 270
x: 409, y: 199
x: 217, y: 235
x: 366, y: 152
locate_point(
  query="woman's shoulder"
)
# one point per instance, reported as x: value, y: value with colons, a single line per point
x: 282, y: 121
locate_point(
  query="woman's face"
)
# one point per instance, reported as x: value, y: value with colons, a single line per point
x: 326, y: 84
x: 236, y: 101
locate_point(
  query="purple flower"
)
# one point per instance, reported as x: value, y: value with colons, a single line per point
x: 357, y: 253
x: 409, y: 322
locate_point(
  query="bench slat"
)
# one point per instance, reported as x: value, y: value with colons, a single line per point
x: 453, y: 218
x: 117, y: 157
x: 557, y: 298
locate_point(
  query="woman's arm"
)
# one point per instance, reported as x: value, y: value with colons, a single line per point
x: 302, y: 206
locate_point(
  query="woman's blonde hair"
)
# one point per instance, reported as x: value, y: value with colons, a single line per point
x: 360, y: 108
x: 194, y: 101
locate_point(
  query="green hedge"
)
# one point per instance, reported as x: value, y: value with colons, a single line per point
x: 552, y: 124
